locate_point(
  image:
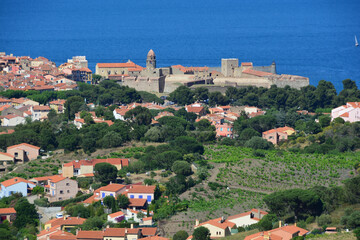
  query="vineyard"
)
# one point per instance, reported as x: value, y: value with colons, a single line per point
x: 274, y: 170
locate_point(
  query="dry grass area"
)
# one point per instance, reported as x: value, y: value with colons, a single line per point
x: 337, y: 236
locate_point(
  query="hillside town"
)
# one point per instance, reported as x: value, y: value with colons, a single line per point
x: 103, y: 156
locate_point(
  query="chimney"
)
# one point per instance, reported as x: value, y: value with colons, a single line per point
x: 131, y: 226
x: 110, y: 182
x: 295, y: 224
x: 280, y: 224
x: 107, y: 226
x: 196, y: 222
x: 77, y: 231
x: 125, y: 230
x: 222, y: 219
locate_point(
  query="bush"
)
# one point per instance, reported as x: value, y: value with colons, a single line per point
x: 323, y: 220
x: 310, y: 219
x: 42, y: 202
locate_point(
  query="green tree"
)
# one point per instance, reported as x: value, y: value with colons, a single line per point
x: 324, y: 121
x: 267, y: 222
x: 25, y: 213
x: 72, y: 106
x: 154, y: 134
x: 139, y: 115
x: 182, y: 96
x: 201, y: 233
x: 181, y: 168
x: 105, y: 173
x: 259, y: 143
x: 93, y: 223
x: 110, y: 202
x: 201, y: 93
x: 181, y: 235
x: 123, y: 201
x: 357, y: 233
x: 37, y: 190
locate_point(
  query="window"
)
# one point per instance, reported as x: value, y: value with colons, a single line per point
x: 131, y: 196
x: 61, y: 192
x: 67, y: 184
x: 140, y: 196
x: 221, y: 129
x: 16, y: 154
x: 60, y: 198
x: 68, y: 191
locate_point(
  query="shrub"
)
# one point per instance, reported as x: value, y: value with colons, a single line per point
x: 42, y: 202
x: 68, y: 201
x: 323, y: 220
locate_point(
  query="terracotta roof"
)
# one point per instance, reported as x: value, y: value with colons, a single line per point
x: 282, y: 130
x: 113, y: 161
x: 23, y: 144
x: 7, y: 211
x: 194, y: 109
x: 51, y: 231
x: 62, y: 236
x: 11, y: 116
x: 137, y: 202
x: 114, y: 215
x: 90, y: 234
x: 345, y: 114
x: 112, y: 187
x: 41, y: 108
x: 155, y: 238
x: 15, y: 180
x: 246, y: 214
x: 120, y: 232
x: 6, y: 154
x: 141, y: 189
x: 147, y: 218
x: 148, y: 231
x: 58, y: 101
x: 70, y: 221
x: 256, y: 73
x: 118, y: 65
x: 57, y: 178
x: 90, y: 200
x: 3, y: 107
x: 217, y: 223
x: 246, y: 64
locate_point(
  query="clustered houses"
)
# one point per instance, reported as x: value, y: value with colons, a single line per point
x: 85, y: 168
x: 222, y: 118
x: 278, y: 134
x: 79, y: 122
x: 349, y: 112
x: 25, y: 73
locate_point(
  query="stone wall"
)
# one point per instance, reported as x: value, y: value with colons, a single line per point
x: 147, y: 84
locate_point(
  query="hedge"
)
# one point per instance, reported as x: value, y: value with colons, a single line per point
x: 68, y: 201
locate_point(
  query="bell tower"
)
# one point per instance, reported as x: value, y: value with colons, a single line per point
x: 151, y: 60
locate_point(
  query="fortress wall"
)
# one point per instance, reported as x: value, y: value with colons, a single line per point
x: 292, y: 83
x: 257, y: 82
x: 145, y: 84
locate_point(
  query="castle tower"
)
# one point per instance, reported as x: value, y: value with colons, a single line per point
x: 151, y: 60
x: 273, y: 67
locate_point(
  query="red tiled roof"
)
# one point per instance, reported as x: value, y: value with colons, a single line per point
x: 41, y: 108
x: 62, y: 236
x: 90, y: 234
x: 112, y: 187
x: 194, y: 109
x: 217, y: 223
x: 141, y: 189
x: 120, y: 232
x: 57, y: 178
x: 256, y: 73
x: 137, y: 202
x: 148, y: 231
x: 118, y: 65
x: 11, y: 116
x: 6, y: 154
x: 114, y: 215
x: 2, y: 108
x: 345, y: 114
x: 246, y: 64
x: 7, y: 211
x: 90, y: 200
x: 155, y: 238
x: 23, y: 144
x: 14, y: 181
x: 70, y: 221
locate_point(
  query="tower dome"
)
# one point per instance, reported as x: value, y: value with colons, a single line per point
x: 151, y: 53
x: 151, y: 60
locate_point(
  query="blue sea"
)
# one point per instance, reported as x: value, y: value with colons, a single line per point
x: 312, y: 38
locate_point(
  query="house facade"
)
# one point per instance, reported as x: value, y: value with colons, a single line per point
x: 349, y: 112
x: 247, y: 218
x: 141, y: 192
x: 278, y: 134
x: 23, y: 152
x: 8, y: 214
x: 224, y: 130
x: 83, y: 167
x: 15, y: 185
x: 218, y: 228
x: 60, y: 188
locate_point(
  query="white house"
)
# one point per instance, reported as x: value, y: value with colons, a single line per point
x: 119, y: 113
x: 116, y: 217
x: 349, y: 112
x: 12, y: 120
x: 247, y: 218
x: 141, y: 192
x: 15, y: 185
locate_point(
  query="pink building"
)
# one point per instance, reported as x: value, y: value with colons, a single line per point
x: 224, y: 130
x: 278, y: 134
x: 23, y: 152
x: 349, y: 112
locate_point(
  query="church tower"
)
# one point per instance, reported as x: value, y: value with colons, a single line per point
x: 151, y: 60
